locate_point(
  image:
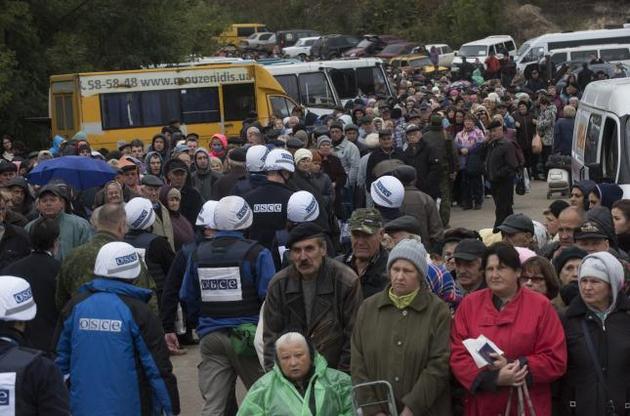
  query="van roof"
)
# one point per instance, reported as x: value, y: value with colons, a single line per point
x: 610, y: 95
x: 247, y: 24
x: 299, y: 67
x: 580, y: 34
x: 591, y: 47
x: 490, y: 40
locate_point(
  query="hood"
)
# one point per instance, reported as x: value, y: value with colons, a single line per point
x: 28, y: 198
x: 603, y: 217
x: 586, y: 186
x: 224, y: 142
x: 147, y: 158
x: 612, y: 267
x: 101, y: 284
x: 56, y: 145
x: 609, y: 193
x: 201, y: 150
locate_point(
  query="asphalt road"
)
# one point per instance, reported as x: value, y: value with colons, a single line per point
x: 531, y: 204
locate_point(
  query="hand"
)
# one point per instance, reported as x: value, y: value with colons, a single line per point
x: 512, y: 375
x: 500, y: 361
x: 464, y: 151
x: 173, y: 344
x: 535, y: 121
x: 518, y: 125
x: 406, y: 412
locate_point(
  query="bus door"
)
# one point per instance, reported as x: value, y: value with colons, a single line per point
x: 64, y: 108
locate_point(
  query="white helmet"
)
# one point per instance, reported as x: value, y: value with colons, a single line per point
x: 206, y: 215
x: 140, y: 214
x: 279, y: 159
x: 232, y: 213
x: 117, y: 260
x: 345, y: 119
x: 302, y: 207
x: 387, y: 191
x: 255, y: 158
x: 16, y: 299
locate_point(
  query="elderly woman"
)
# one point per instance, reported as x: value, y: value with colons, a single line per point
x: 300, y: 383
x: 183, y: 232
x: 522, y: 324
x: 597, y: 326
x: 411, y: 349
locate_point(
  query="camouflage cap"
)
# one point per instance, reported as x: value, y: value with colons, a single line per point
x: 367, y: 220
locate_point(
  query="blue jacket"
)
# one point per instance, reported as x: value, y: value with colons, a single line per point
x: 112, y: 347
x: 261, y: 274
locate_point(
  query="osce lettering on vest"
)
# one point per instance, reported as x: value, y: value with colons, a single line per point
x: 261, y: 208
x: 7, y: 393
x: 220, y: 284
x: 103, y: 325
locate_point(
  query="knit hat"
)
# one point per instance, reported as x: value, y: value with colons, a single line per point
x: 605, y: 267
x: 323, y: 139
x: 567, y: 254
x: 371, y: 140
x: 140, y: 213
x: 301, y: 154
x: 387, y: 191
x: 232, y: 213
x: 412, y: 251
x: 302, y: 207
x: 16, y: 299
x: 117, y: 260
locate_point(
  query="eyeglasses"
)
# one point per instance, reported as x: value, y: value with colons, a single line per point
x: 534, y: 279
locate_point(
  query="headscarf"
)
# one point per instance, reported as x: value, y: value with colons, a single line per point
x: 605, y: 267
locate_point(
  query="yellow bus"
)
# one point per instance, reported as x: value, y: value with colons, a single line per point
x: 111, y: 107
x: 237, y: 32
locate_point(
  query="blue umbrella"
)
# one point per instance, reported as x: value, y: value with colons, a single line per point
x: 77, y: 171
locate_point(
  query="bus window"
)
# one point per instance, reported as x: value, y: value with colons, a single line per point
x: 280, y: 106
x: 314, y: 90
x: 370, y: 81
x: 238, y: 101
x: 558, y: 58
x: 120, y: 110
x: 610, y: 149
x: 243, y: 32
x: 592, y: 139
x: 64, y: 114
x: 345, y: 82
x: 616, y: 54
x: 583, y: 55
x: 200, y: 105
x: 290, y: 84
x: 156, y: 107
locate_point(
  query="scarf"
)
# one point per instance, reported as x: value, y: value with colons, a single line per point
x: 401, y: 302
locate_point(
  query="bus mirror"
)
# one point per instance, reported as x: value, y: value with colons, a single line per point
x: 595, y: 172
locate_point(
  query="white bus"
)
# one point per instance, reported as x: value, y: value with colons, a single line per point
x: 536, y: 48
x: 321, y: 86
x: 612, y: 53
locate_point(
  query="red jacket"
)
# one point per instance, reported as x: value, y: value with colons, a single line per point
x: 529, y: 327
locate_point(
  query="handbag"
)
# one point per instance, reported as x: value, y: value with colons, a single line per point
x: 520, y: 188
x: 523, y: 400
x: 537, y: 144
x: 610, y: 405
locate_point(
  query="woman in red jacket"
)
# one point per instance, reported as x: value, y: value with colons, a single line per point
x: 523, y: 324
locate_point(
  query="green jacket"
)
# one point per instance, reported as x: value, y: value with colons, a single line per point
x: 78, y: 268
x: 73, y: 232
x: 409, y: 348
x: 274, y: 395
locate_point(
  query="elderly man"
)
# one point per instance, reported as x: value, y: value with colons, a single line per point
x: 300, y: 383
x: 367, y: 258
x: 569, y: 219
x: 316, y: 295
x: 591, y: 237
x: 518, y: 230
x: 467, y: 255
x: 73, y: 230
x: 176, y: 172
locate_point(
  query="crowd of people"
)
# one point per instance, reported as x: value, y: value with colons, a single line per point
x: 313, y: 254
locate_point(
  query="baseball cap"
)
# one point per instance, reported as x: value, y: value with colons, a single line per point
x: 16, y: 299
x: 206, y: 214
x: 279, y: 159
x: 255, y: 158
x: 387, y: 191
x: 117, y: 260
x: 302, y: 207
x: 517, y: 223
x: 367, y: 220
x: 140, y: 214
x: 176, y: 164
x: 411, y: 128
x: 232, y: 213
x: 590, y: 229
x: 151, y: 180
x: 350, y: 126
x: 52, y: 189
x: 469, y: 249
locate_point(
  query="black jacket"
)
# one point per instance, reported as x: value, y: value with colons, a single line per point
x: 375, y: 277
x: 224, y: 185
x: 426, y: 160
x: 14, y: 245
x: 501, y: 160
x: 41, y: 390
x: 377, y: 156
x: 191, y: 203
x: 40, y: 270
x: 612, y: 344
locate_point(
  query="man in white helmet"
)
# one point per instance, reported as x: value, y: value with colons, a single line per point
x: 223, y: 289
x: 269, y: 201
x: 30, y: 383
x: 111, y: 345
x: 153, y: 249
x: 388, y: 194
x: 255, y: 163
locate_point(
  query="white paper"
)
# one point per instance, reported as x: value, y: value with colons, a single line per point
x: 474, y: 344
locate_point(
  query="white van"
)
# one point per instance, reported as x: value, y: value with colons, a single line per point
x: 323, y: 85
x: 608, y: 53
x: 536, y: 48
x: 482, y: 48
x: 446, y: 53
x: 601, y: 137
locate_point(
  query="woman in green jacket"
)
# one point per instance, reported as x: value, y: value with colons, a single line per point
x: 300, y: 384
x: 401, y: 335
